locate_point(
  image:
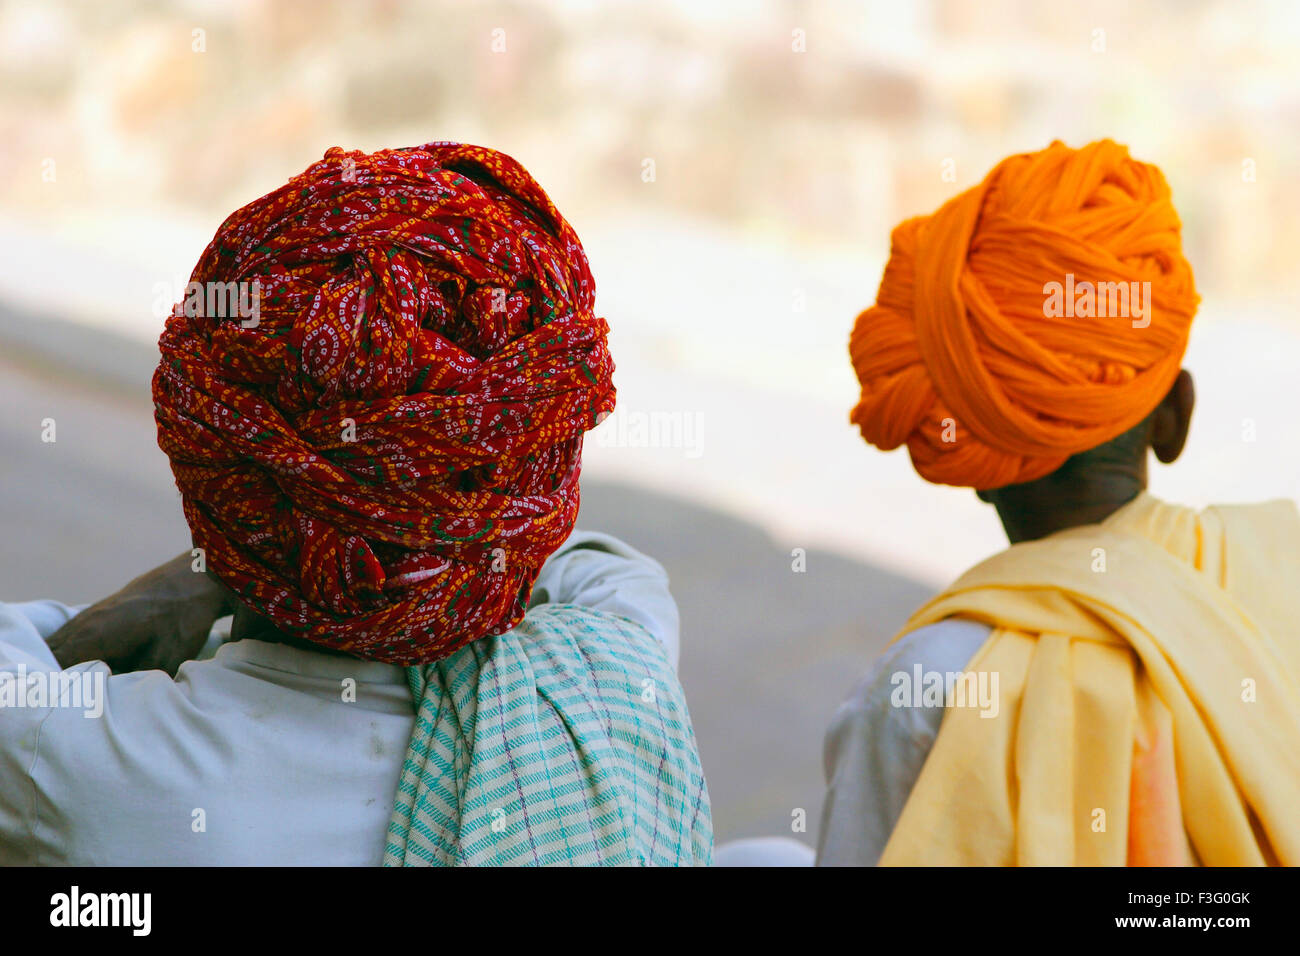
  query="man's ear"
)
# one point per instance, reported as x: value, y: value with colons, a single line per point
x: 1173, y: 419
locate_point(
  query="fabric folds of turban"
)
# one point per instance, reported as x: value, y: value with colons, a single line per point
x: 382, y: 453
x: 963, y: 359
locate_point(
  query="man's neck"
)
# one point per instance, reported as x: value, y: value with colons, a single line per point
x: 248, y: 625
x: 1028, y: 518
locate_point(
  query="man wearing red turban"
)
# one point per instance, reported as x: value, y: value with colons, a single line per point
x: 381, y: 462
x: 373, y: 397
x: 1120, y: 685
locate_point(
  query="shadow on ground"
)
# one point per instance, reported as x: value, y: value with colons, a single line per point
x: 767, y: 653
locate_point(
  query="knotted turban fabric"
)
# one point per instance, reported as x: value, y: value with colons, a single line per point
x: 382, y: 458
x: 959, y: 358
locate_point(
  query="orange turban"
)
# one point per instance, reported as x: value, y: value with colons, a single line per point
x: 1004, y: 338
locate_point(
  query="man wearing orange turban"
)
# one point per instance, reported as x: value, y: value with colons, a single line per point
x: 1121, y: 685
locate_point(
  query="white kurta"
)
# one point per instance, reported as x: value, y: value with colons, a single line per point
x: 256, y: 756
x: 875, y: 750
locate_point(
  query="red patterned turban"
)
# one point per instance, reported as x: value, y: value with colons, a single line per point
x: 380, y: 455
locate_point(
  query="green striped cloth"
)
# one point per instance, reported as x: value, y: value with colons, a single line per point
x: 564, y: 741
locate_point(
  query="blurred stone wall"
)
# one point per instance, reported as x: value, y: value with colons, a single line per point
x: 822, y: 122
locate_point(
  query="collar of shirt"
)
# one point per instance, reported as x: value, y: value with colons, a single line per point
x: 378, y: 686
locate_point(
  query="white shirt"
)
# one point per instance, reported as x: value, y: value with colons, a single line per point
x: 875, y: 751
x: 250, y: 758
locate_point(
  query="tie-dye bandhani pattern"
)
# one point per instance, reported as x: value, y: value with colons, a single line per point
x: 383, y: 456
x: 565, y: 741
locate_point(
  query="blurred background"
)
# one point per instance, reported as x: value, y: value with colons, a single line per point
x: 734, y: 169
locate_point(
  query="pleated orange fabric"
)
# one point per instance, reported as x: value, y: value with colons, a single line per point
x: 1032, y: 317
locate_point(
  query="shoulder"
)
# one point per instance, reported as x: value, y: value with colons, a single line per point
x: 944, y: 646
x: 591, y: 638
x: 602, y: 573
x: 895, y: 731
x: 877, y: 743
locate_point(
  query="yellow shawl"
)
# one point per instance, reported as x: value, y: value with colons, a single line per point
x: 1149, y: 699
